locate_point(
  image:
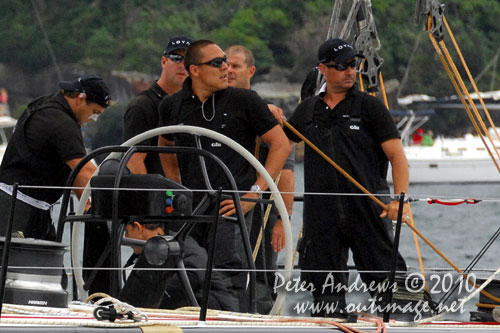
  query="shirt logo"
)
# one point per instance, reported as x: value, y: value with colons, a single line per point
x: 216, y: 144
x: 354, y: 127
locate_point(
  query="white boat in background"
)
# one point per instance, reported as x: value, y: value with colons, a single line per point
x: 452, y: 160
x: 447, y: 160
x: 7, y: 124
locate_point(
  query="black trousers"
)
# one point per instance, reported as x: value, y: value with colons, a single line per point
x: 229, y: 254
x: 266, y: 258
x: 371, y: 246
x: 31, y: 221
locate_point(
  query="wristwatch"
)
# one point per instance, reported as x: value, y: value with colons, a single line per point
x: 405, y: 200
x: 256, y: 189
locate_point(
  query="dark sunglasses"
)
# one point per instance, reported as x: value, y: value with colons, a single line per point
x: 177, y: 58
x: 343, y: 66
x: 215, y: 62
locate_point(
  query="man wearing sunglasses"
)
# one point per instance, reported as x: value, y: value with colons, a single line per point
x: 357, y: 132
x: 206, y: 101
x: 142, y: 112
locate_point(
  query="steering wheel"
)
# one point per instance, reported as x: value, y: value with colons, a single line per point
x: 196, y: 131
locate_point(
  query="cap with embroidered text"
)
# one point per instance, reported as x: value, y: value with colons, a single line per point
x: 179, y: 42
x: 337, y: 50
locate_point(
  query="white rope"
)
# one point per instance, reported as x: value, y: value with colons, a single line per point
x: 123, y: 308
x: 465, y: 300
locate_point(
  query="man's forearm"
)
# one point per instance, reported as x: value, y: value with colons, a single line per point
x: 286, y: 186
x: 274, y: 163
x: 400, y: 175
x: 279, y: 149
x: 169, y: 162
x: 83, y: 178
x: 136, y: 163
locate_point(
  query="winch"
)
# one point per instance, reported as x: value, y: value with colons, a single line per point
x: 35, y: 274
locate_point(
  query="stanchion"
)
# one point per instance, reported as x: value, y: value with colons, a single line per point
x: 6, y: 245
x: 395, y: 250
x: 210, y: 261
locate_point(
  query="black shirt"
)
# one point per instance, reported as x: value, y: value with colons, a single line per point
x: 351, y: 134
x: 141, y: 116
x: 239, y: 114
x: 47, y: 135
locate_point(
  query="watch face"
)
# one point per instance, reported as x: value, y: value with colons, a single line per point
x: 255, y: 188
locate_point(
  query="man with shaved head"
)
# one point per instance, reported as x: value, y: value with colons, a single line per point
x: 206, y: 101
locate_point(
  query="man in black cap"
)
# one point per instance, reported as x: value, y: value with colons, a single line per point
x: 142, y: 112
x: 46, y: 145
x: 357, y: 132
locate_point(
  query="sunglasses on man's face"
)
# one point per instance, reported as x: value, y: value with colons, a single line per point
x: 177, y: 58
x: 343, y: 66
x: 215, y: 62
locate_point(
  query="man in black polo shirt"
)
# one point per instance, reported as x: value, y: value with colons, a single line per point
x: 142, y: 112
x: 358, y: 133
x: 241, y: 70
x: 206, y: 101
x: 46, y: 144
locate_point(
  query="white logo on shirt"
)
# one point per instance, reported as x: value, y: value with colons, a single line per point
x: 354, y: 127
x: 216, y: 144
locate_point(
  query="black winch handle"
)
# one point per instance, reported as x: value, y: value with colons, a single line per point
x: 109, y: 313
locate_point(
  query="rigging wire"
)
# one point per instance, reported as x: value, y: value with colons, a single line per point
x: 462, y: 99
x: 471, y: 79
x: 460, y: 88
x: 47, y: 41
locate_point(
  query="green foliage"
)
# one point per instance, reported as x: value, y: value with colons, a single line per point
x: 284, y: 35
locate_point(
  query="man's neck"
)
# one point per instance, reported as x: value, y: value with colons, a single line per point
x: 168, y: 87
x: 201, y: 92
x: 332, y: 98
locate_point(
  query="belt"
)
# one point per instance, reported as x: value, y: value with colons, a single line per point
x: 26, y: 198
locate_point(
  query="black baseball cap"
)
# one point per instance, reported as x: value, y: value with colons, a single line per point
x: 93, y: 86
x: 179, y: 42
x: 338, y: 50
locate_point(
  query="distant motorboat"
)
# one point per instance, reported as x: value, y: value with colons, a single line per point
x: 7, y: 125
x: 452, y: 160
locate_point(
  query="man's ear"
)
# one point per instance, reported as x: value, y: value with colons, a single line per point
x: 138, y: 226
x: 322, y: 68
x: 251, y: 72
x: 81, y: 98
x: 163, y: 61
x: 193, y: 71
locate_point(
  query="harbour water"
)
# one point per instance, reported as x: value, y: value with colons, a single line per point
x: 459, y: 232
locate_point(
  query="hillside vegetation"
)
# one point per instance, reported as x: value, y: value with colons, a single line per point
x: 129, y: 35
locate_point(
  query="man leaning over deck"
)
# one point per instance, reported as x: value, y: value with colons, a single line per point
x: 46, y: 145
x: 206, y: 101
